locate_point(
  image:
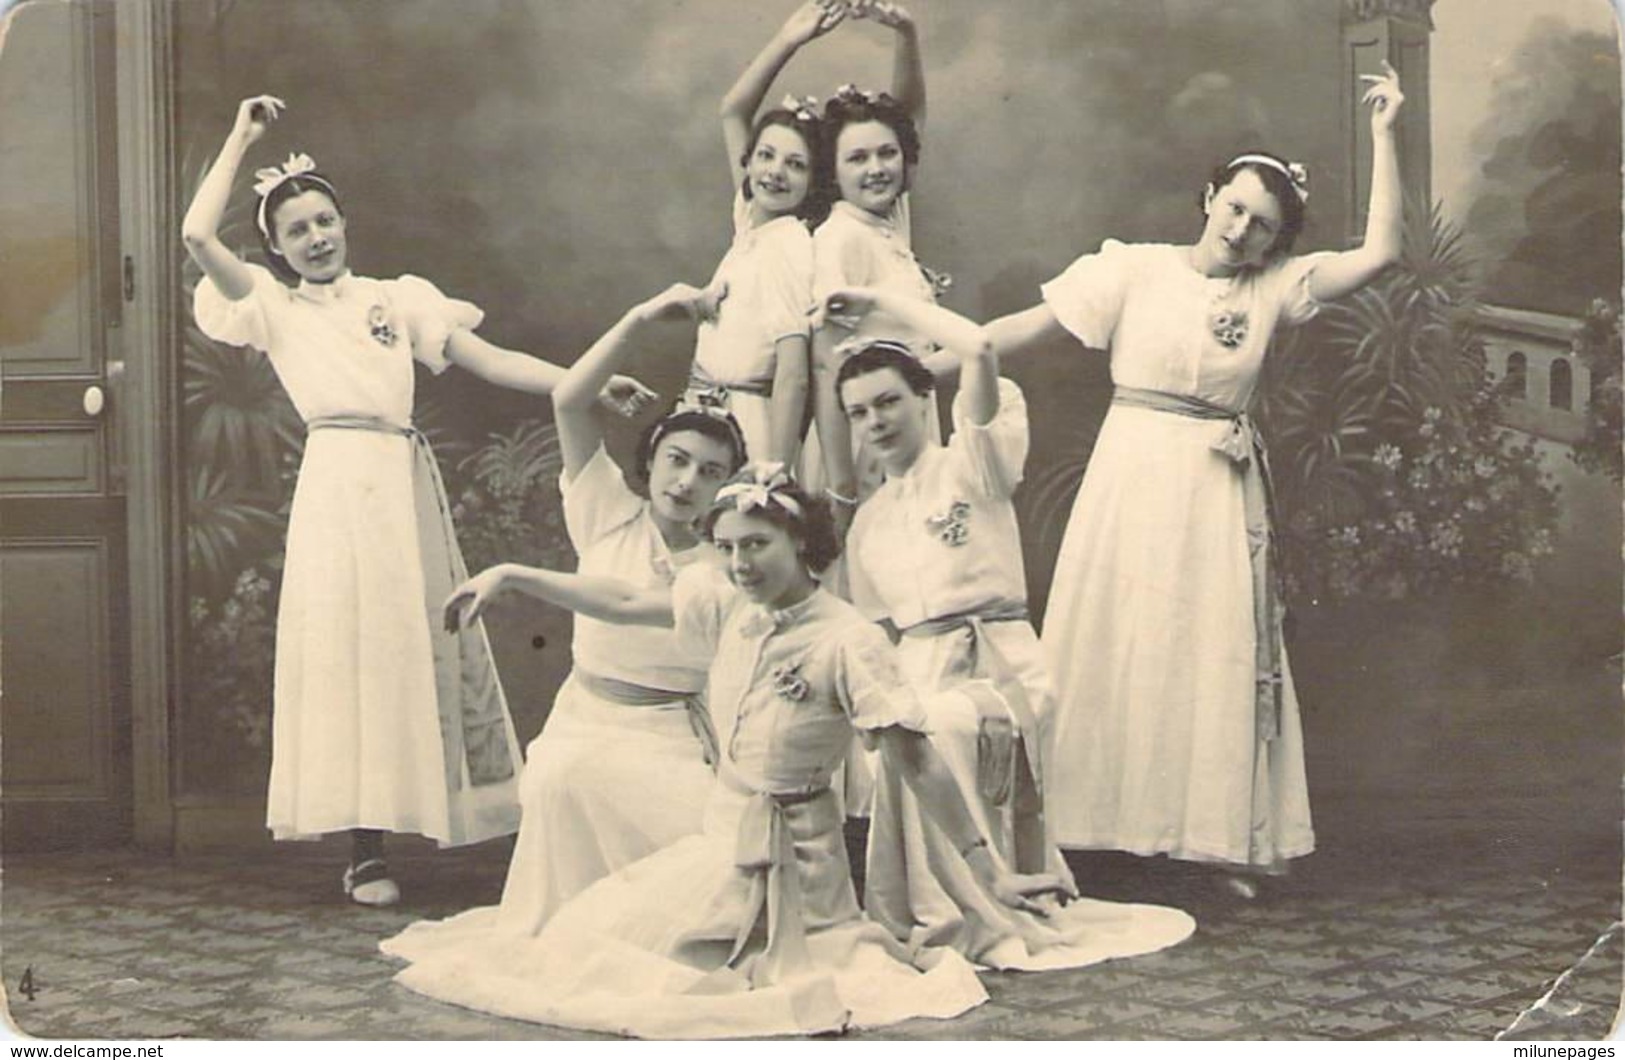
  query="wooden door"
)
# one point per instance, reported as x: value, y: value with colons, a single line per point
x: 65, y: 763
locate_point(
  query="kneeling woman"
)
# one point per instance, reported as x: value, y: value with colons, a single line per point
x: 750, y: 928
x: 936, y: 555
x: 621, y: 768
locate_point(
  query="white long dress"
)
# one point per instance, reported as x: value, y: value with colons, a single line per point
x: 381, y: 719
x: 607, y: 781
x: 751, y: 927
x: 768, y: 272
x: 936, y: 542
x: 1150, y: 630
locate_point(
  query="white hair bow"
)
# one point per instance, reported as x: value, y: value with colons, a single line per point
x: 266, y: 180
x: 758, y: 488
x: 1293, y: 171
x: 805, y: 108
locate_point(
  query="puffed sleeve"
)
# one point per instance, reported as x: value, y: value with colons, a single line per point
x: 430, y: 318
x: 869, y: 685
x: 865, y: 597
x: 701, y: 600
x: 245, y: 321
x: 785, y: 272
x: 1087, y: 298
x: 596, y: 500
x: 1291, y: 286
x: 841, y: 258
x: 989, y: 458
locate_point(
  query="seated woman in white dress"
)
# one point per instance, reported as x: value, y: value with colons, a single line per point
x: 935, y: 554
x: 750, y: 928
x: 621, y: 768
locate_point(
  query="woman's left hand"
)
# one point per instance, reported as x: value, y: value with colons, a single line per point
x: 626, y: 396
x: 889, y: 14
x: 1023, y: 891
x: 845, y: 308
x: 1384, y: 96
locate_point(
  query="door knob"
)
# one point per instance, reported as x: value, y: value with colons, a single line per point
x: 94, y: 400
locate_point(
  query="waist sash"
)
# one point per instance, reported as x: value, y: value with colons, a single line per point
x: 764, y: 848
x: 1243, y: 445
x: 707, y: 391
x: 474, y: 727
x: 1009, y: 743
x: 628, y: 694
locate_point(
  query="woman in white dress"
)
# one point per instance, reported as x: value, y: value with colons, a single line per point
x: 750, y: 357
x: 749, y: 928
x: 622, y: 767
x: 872, y: 152
x: 1177, y: 730
x: 379, y: 724
x: 935, y: 555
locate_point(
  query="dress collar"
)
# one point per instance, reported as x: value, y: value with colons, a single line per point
x: 888, y: 223
x: 765, y: 620
x: 324, y: 293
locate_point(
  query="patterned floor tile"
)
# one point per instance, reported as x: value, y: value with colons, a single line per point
x: 1338, y: 1024
x: 1256, y: 1011
x: 1182, y: 992
x: 1082, y: 1014
x: 269, y: 950
x: 1399, y: 1008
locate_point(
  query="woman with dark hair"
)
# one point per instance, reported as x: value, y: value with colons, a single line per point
x: 1177, y: 729
x: 378, y: 724
x: 872, y: 151
x: 750, y: 928
x: 622, y: 766
x: 750, y: 358
x: 935, y: 555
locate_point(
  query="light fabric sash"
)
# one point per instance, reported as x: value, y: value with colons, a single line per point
x: 707, y: 391
x: 1009, y: 743
x: 1243, y: 445
x: 473, y: 714
x: 765, y: 849
x: 628, y: 694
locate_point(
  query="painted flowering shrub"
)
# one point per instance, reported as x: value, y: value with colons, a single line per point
x: 1598, y: 347
x: 1452, y: 502
x: 1392, y: 474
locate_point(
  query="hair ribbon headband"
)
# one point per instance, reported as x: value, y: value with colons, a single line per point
x: 270, y: 178
x: 1292, y: 171
x: 766, y: 478
x: 803, y: 109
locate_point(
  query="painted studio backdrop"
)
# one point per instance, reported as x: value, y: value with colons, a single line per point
x: 554, y: 161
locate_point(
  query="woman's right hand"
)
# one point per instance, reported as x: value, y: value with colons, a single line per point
x: 684, y: 299
x: 812, y: 20
x: 469, y: 600
x: 254, y: 116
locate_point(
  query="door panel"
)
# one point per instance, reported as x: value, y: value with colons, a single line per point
x: 64, y: 712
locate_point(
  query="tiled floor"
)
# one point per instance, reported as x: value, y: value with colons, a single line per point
x: 1357, y: 944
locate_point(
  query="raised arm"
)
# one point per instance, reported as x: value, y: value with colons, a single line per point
x: 965, y: 340
x: 532, y: 375
x: 812, y: 19
x: 834, y: 433
x: 1350, y: 270
x: 200, y: 229
x: 908, y: 65
x: 502, y: 367
x: 606, y: 599
x: 580, y: 388
x: 789, y: 401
